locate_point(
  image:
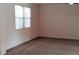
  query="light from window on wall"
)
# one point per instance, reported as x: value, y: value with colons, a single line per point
x: 22, y: 17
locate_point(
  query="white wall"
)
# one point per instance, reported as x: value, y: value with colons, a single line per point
x: 2, y: 30
x: 20, y: 36
x: 59, y: 21
x: 15, y: 37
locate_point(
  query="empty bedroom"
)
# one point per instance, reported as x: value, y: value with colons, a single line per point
x: 39, y: 29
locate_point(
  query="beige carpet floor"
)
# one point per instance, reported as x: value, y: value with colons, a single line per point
x: 46, y: 46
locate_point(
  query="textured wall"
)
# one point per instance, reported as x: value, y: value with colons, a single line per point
x: 59, y: 21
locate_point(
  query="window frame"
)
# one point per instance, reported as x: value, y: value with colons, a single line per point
x: 23, y: 18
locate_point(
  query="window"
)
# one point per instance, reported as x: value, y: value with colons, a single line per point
x: 27, y: 16
x: 22, y: 17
